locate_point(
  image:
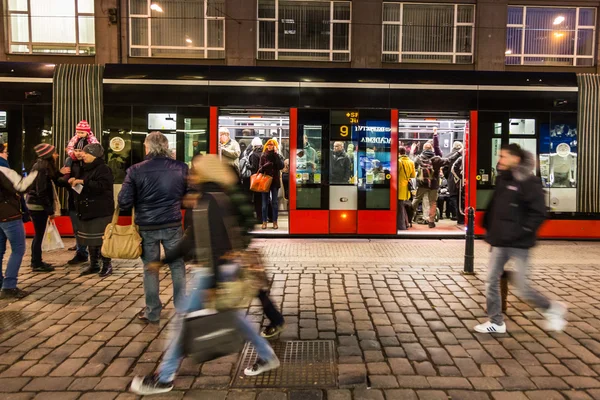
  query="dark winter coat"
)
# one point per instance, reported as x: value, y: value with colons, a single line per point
x: 455, y: 177
x: 41, y: 193
x: 438, y: 163
x: 11, y: 186
x: 97, y: 197
x: 254, y: 159
x: 341, y: 167
x: 63, y: 181
x: 517, y: 208
x: 155, y: 188
x: 271, y: 164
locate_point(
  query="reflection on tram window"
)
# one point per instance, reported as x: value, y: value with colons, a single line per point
x: 342, y: 163
x: 308, y: 157
x: 374, y: 165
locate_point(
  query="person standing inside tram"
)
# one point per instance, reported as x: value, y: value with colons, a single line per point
x: 341, y: 165
x: 406, y: 172
x: 254, y: 163
x: 271, y: 164
x: 229, y: 149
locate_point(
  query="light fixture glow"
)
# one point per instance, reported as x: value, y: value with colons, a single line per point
x: 156, y: 7
x: 188, y: 40
x: 558, y: 34
x: 508, y: 52
x: 559, y: 20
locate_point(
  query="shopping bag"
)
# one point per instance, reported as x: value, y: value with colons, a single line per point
x: 260, y: 182
x: 121, y: 241
x: 52, y: 239
x: 208, y: 334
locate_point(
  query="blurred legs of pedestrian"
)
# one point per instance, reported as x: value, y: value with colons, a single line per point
x: 39, y: 220
x: 81, y: 251
x: 276, y: 320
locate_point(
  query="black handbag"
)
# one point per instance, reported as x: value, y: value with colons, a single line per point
x: 208, y: 334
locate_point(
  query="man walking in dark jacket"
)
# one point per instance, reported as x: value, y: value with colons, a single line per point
x: 514, y: 215
x: 155, y: 188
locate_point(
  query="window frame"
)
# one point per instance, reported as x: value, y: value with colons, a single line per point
x: 30, y: 43
x: 332, y: 21
x: 574, y: 56
x: 455, y: 26
x: 148, y: 16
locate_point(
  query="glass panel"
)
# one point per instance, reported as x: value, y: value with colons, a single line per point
x: 53, y: 21
x: 196, y: 138
x: 17, y: 5
x: 585, y: 62
x: 139, y: 31
x: 266, y: 8
x: 513, y: 60
x: 341, y: 35
x: 515, y: 15
x: 266, y: 55
x: 391, y: 37
x: 426, y: 58
x: 428, y: 28
x: 587, y: 17
x: 464, y: 59
x: 308, y: 197
x: 378, y: 199
x: 550, y: 31
x: 181, y: 24
x: 522, y: 126
x: 266, y: 35
x: 496, y: 145
x: 87, y: 33
x: 391, y: 12
x: 341, y: 11
x: 555, y: 61
x: 304, y: 25
x: 464, y: 39
x: 513, y: 40
x: 19, y: 48
x: 139, y: 52
x: 341, y: 57
x: 309, y: 158
x: 585, y: 42
x: 215, y: 33
x: 529, y: 145
x: 19, y: 28
x: 85, y: 6
x: 465, y: 14
x: 138, y: 7
x: 215, y: 8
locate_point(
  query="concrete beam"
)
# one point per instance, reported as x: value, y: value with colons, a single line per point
x: 107, y: 33
x: 490, y: 35
x: 366, y: 33
x: 240, y: 32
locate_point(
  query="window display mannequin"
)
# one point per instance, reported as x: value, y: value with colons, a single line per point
x: 563, y: 167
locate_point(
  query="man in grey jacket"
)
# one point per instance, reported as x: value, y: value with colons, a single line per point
x: 229, y: 149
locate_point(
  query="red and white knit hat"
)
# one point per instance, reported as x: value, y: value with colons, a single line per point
x: 83, y: 126
x: 44, y: 150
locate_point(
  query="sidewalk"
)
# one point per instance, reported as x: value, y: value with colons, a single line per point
x: 400, y: 314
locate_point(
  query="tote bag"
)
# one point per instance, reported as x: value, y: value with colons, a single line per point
x: 260, y: 182
x: 121, y: 241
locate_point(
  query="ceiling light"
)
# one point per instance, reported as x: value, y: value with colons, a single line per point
x: 508, y: 52
x: 558, y: 34
x: 559, y: 20
x: 156, y: 7
x: 188, y: 40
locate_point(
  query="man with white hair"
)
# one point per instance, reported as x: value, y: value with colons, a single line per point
x: 229, y: 149
x: 155, y: 188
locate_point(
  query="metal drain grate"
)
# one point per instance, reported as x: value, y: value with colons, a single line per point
x: 303, y: 364
x: 12, y: 319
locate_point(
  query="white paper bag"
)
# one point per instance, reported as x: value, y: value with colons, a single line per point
x: 52, y: 239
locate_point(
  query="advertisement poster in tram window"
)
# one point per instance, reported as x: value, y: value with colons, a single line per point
x: 374, y: 152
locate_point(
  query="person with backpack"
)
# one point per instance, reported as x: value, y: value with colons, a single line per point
x: 256, y: 147
x: 428, y: 167
x: 514, y: 215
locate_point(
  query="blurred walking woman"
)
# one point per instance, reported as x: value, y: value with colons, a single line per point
x: 41, y: 201
x: 95, y: 206
x: 271, y: 164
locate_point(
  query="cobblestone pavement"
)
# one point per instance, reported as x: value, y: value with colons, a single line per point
x: 400, y: 312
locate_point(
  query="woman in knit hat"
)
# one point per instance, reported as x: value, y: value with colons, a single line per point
x: 82, y: 131
x: 271, y: 164
x: 41, y: 201
x: 95, y: 206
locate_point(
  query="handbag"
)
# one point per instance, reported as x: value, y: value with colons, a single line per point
x: 260, y: 182
x: 121, y: 241
x: 208, y: 334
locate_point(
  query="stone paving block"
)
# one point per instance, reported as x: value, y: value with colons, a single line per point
x: 48, y: 384
x: 383, y: 381
x: 352, y: 375
x: 449, y: 382
x: 368, y: 394
x: 413, y: 382
x: 544, y: 395
x: 339, y: 394
x: 99, y: 396
x: 579, y: 395
x: 582, y: 382
x: 8, y: 385
x: 509, y: 396
x: 57, y: 395
x: 272, y: 395
x: 550, y: 383
x: 39, y: 370
x: 516, y: 383
x: 467, y: 395
x: 306, y: 395
x: 485, y: 383
x: 431, y: 395
x: 400, y: 394
x: 241, y: 395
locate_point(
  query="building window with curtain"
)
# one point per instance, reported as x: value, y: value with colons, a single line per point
x: 428, y: 33
x: 311, y: 30
x: 51, y: 27
x: 562, y: 36
x: 177, y: 28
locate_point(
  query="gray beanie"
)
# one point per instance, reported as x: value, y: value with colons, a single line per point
x: 94, y: 149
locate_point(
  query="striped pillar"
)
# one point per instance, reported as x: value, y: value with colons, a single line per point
x: 588, y: 159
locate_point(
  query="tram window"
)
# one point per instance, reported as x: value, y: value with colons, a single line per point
x: 343, y: 163
x: 522, y: 126
x: 2, y: 119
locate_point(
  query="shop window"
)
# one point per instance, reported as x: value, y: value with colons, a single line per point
x: 177, y: 28
x: 551, y: 36
x: 51, y: 27
x: 428, y: 33
x: 314, y: 30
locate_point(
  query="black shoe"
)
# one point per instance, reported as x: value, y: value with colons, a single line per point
x: 78, y: 259
x: 106, y: 270
x: 90, y: 269
x: 72, y: 248
x: 272, y: 330
x: 15, y: 293
x: 146, y: 385
x: 432, y: 224
x: 43, y: 267
x: 142, y: 317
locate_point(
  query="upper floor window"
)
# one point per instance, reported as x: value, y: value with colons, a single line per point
x: 314, y: 30
x: 551, y: 36
x: 428, y: 33
x: 177, y: 28
x: 51, y: 27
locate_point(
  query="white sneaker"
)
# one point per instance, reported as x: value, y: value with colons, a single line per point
x: 556, y: 316
x: 261, y: 366
x: 490, y: 327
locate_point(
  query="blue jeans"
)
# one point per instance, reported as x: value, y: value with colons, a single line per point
x: 199, y: 283
x: 81, y: 248
x: 272, y: 193
x: 151, y: 241
x: 14, y: 231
